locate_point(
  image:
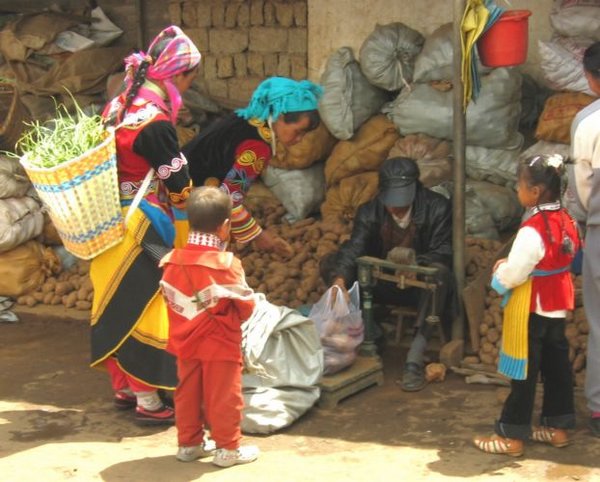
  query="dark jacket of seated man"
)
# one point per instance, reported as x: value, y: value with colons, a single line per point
x: 405, y: 214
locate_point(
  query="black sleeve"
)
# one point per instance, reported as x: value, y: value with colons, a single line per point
x: 439, y: 249
x: 157, y: 142
x: 365, y: 227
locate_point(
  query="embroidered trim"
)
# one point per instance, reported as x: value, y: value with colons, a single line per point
x: 141, y: 116
x: 165, y: 170
x: 555, y: 206
x: 130, y: 188
x: 178, y: 198
x: 264, y: 130
x: 206, y: 239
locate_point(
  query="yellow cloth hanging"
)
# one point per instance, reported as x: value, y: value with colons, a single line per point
x: 514, y: 351
x: 473, y: 22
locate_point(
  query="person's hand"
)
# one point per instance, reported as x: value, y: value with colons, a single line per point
x: 267, y: 241
x: 498, y: 263
x: 341, y: 284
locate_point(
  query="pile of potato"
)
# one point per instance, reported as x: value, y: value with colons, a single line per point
x: 480, y: 254
x: 577, y: 329
x: 293, y: 281
x: 71, y: 288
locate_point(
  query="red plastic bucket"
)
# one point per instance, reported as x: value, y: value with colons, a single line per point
x: 505, y: 42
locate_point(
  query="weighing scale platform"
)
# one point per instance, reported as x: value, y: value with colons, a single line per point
x: 364, y: 372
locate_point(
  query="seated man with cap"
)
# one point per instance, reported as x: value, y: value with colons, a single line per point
x: 404, y: 214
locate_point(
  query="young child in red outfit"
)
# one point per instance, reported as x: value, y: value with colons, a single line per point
x: 208, y: 299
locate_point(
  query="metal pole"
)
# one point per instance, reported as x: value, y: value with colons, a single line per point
x: 139, y: 10
x: 458, y: 198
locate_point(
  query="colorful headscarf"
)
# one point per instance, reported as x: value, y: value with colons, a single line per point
x: 179, y: 54
x: 279, y: 95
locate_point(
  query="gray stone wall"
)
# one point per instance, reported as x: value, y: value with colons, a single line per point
x: 243, y: 42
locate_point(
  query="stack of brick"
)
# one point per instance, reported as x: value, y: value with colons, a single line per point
x: 243, y: 42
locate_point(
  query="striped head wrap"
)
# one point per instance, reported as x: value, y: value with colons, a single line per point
x: 279, y: 95
x: 178, y: 54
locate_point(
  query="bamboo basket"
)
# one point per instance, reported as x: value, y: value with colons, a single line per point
x: 12, y: 116
x: 82, y: 198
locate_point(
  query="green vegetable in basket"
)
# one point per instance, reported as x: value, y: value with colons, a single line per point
x: 64, y: 138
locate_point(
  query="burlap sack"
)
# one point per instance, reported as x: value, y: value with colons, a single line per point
x: 24, y: 269
x: 364, y: 152
x: 315, y: 146
x: 554, y: 124
x: 342, y: 201
x: 432, y: 155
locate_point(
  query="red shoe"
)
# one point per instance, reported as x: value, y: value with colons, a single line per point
x: 163, y: 416
x: 124, y: 401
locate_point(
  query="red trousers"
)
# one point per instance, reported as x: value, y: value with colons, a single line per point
x: 121, y: 380
x: 209, y: 393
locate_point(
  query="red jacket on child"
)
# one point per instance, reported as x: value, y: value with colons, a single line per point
x: 208, y: 299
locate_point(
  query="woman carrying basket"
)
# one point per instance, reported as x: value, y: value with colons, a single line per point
x: 129, y: 321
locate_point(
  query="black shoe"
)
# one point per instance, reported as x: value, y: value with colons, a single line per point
x: 595, y: 426
x: 413, y: 377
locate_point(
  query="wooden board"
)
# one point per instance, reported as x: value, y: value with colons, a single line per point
x: 364, y: 372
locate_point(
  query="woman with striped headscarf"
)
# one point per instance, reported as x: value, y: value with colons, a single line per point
x: 129, y: 323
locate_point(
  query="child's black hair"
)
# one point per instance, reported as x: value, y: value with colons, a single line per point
x: 546, y: 172
x: 208, y: 208
x: 591, y: 60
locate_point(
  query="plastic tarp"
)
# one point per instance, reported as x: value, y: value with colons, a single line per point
x: 388, y: 54
x: 349, y: 99
x: 492, y: 121
x: 284, y: 358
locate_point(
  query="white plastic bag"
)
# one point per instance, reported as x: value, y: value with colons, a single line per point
x: 340, y: 326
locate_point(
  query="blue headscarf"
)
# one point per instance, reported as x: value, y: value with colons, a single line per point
x: 279, y: 95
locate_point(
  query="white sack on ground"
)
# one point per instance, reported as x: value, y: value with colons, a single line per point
x: 349, y: 99
x: 388, y: 54
x: 21, y: 219
x: 492, y: 121
x: 284, y: 358
x: 301, y: 191
x: 561, y: 63
x: 498, y: 166
x: 576, y: 18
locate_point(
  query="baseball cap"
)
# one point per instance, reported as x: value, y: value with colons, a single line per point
x: 398, y: 178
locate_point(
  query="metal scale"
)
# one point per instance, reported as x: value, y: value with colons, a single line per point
x: 368, y: 369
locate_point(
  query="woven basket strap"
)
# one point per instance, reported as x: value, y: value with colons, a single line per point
x: 139, y: 195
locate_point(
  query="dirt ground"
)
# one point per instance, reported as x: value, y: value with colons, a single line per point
x: 57, y: 423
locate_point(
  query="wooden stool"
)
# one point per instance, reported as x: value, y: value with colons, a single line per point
x: 402, y: 312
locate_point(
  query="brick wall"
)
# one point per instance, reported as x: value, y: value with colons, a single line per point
x: 243, y: 42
